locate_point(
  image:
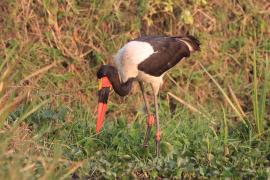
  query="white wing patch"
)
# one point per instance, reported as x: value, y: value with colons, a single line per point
x: 129, y: 56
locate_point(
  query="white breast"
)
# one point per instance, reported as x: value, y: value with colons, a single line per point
x: 129, y: 56
x: 155, y: 82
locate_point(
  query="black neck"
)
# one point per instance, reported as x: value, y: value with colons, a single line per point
x: 121, y: 89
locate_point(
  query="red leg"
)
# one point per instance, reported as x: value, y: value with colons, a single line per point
x: 158, y: 133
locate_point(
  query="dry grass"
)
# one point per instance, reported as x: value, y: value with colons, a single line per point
x: 50, y: 51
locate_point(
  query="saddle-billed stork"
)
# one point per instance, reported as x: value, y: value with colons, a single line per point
x: 145, y: 59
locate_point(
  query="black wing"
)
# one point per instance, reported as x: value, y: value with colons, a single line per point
x: 168, y: 52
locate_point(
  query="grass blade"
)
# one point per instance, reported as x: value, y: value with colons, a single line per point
x: 225, y: 95
x: 255, y: 96
x: 192, y: 108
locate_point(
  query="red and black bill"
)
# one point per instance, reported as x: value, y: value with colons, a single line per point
x: 103, y: 96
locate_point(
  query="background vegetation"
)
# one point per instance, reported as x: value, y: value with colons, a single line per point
x: 214, y: 106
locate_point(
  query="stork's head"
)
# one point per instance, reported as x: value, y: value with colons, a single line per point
x: 103, y: 94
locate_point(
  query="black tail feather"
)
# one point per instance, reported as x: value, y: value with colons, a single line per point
x: 193, y: 41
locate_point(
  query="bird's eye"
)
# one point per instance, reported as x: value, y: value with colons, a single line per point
x: 101, y: 73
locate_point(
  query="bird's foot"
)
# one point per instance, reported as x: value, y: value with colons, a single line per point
x: 145, y: 145
x: 147, y: 137
x: 150, y: 123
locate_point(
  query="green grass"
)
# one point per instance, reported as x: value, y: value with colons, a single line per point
x: 214, y: 106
